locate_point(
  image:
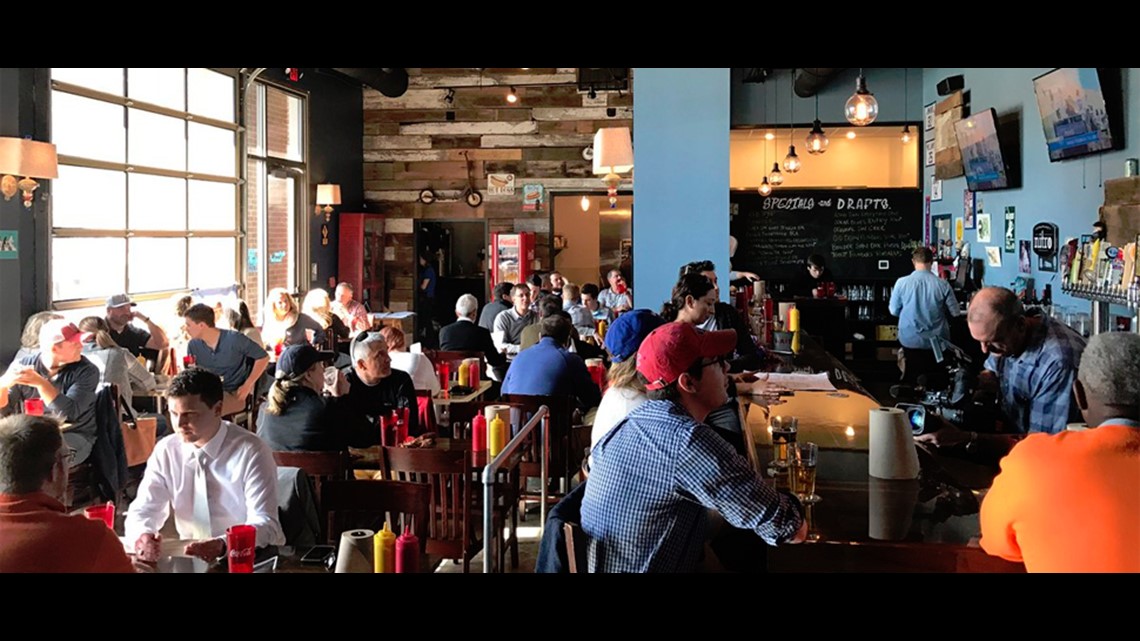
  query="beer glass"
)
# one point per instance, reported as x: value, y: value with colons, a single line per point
x: 804, y: 457
x: 783, y: 430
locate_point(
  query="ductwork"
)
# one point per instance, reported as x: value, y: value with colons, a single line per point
x: 390, y: 82
x: 810, y: 80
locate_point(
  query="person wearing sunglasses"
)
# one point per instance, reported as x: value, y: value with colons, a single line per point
x: 1031, y: 367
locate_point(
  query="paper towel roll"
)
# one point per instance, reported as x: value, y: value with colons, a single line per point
x: 891, y: 452
x: 890, y: 508
x: 502, y: 411
x: 355, y: 553
x: 757, y: 291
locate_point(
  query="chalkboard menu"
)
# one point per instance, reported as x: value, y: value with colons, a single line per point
x: 855, y: 229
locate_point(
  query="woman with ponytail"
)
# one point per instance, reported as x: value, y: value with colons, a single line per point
x: 693, y: 300
x: 298, y: 415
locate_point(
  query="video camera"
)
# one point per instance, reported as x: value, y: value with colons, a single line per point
x: 948, y: 395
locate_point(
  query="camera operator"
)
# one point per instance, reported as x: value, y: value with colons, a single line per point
x: 1031, y: 367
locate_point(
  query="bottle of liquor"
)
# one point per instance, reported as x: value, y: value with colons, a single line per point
x: 1047, y: 296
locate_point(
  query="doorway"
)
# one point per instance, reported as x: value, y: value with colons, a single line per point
x: 458, y: 254
x: 590, y: 238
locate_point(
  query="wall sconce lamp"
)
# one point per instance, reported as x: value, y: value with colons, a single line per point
x: 585, y: 203
x: 613, y: 155
x: 28, y: 158
x: 327, y: 196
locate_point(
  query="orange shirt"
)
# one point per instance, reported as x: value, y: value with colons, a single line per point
x: 1068, y: 502
x: 37, y: 535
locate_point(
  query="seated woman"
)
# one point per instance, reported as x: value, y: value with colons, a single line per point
x: 283, y: 324
x: 299, y: 417
x: 417, y: 366
x: 626, y: 390
x: 318, y: 307
x: 116, y: 365
x: 239, y: 320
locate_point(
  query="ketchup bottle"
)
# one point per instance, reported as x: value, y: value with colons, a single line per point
x: 479, y: 433
x: 407, y: 552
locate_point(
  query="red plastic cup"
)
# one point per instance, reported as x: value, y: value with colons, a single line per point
x: 277, y: 349
x: 188, y: 361
x: 104, y: 513
x: 445, y: 376
x: 34, y: 407
x: 241, y: 542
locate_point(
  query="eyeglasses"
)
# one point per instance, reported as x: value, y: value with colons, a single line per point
x: 716, y: 361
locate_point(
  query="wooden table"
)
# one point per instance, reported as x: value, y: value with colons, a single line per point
x: 441, y: 399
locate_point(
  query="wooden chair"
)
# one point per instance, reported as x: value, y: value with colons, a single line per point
x: 320, y: 467
x: 349, y: 505
x: 564, y: 460
x: 575, y: 548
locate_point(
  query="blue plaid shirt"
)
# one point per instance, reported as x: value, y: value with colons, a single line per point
x: 1036, y: 385
x: 653, y: 477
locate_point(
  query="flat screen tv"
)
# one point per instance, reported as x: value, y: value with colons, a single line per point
x: 982, y: 158
x: 1082, y: 110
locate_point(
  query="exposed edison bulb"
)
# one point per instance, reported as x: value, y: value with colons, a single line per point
x: 776, y: 177
x: 512, y: 97
x: 765, y: 187
x: 791, y: 161
x: 861, y: 108
x: 906, y: 134
x: 585, y: 203
x: 817, y: 141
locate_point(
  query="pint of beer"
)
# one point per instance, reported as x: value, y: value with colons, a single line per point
x: 784, y: 430
x: 804, y: 459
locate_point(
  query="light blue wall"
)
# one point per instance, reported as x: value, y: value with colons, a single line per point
x: 680, y: 196
x: 1067, y: 193
x: 753, y: 103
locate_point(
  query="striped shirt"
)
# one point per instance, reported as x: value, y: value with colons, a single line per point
x: 1036, y: 385
x: 652, y: 479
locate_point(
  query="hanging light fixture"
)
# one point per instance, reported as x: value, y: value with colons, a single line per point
x: 585, y: 203
x: 512, y: 97
x: 765, y: 186
x: 906, y: 125
x: 776, y: 177
x: 861, y: 108
x: 791, y: 161
x: 817, y: 141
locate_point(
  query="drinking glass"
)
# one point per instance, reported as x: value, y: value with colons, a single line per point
x: 241, y: 541
x: 804, y: 459
x: 34, y: 407
x: 784, y: 430
x: 104, y: 513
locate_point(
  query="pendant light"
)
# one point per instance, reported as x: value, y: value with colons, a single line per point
x: 817, y: 141
x: 765, y: 186
x: 861, y: 108
x: 792, y: 161
x: 906, y: 125
x: 775, y: 177
x: 585, y: 203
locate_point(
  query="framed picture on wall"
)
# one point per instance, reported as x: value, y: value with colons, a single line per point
x: 928, y: 117
x: 929, y: 156
x: 935, y: 189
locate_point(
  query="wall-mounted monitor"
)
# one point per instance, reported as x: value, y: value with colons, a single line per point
x: 1082, y: 110
x: 986, y: 166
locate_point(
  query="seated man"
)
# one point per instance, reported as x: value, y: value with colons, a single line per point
x: 36, y: 531
x: 465, y: 336
x: 351, y: 312
x: 211, y: 473
x: 374, y: 390
x: 1070, y: 502
x: 547, y: 369
x: 507, y: 331
x: 1031, y: 367
x: 231, y: 355
x: 581, y: 317
x: 596, y: 309
x: 617, y: 296
x: 501, y: 303
x: 655, y: 474
x: 145, y: 342
x: 61, y: 377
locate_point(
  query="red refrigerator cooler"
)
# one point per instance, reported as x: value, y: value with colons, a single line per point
x: 512, y: 257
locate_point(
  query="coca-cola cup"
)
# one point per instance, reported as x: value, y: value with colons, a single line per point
x: 241, y: 542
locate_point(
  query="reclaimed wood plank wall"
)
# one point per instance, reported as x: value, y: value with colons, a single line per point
x: 412, y: 143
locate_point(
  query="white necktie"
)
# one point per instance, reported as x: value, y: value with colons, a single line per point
x: 202, y: 528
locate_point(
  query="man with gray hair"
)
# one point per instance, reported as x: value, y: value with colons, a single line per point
x: 375, y: 390
x: 350, y: 312
x: 1031, y: 368
x: 465, y: 336
x: 1070, y: 502
x: 36, y: 532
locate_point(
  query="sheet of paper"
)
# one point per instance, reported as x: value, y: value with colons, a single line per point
x: 802, y: 382
x: 395, y: 315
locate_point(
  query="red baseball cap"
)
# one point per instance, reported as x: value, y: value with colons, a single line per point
x: 673, y: 348
x: 58, y: 330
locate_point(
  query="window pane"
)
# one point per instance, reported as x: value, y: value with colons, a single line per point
x: 279, y: 239
x: 87, y: 267
x: 211, y: 94
x: 106, y: 79
x: 156, y: 264
x: 254, y: 129
x: 157, y: 202
x: 156, y: 141
x: 164, y: 86
x: 89, y: 198
x: 283, y: 125
x: 87, y: 128
x: 212, y: 150
x: 255, y: 197
x: 212, y: 205
x: 212, y: 262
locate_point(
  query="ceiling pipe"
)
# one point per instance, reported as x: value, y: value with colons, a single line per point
x: 390, y: 82
x: 810, y: 80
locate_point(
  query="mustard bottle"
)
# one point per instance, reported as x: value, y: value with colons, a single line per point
x: 497, y: 434
x: 384, y: 551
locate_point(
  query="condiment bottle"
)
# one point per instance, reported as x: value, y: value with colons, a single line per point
x: 463, y: 373
x: 479, y: 433
x: 384, y: 551
x: 407, y: 552
x: 497, y: 435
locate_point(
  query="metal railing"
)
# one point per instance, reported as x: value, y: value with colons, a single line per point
x: 541, y: 417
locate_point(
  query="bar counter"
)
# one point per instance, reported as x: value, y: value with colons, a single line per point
x: 865, y: 524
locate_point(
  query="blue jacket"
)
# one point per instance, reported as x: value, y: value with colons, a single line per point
x: 549, y: 370
x: 552, y: 557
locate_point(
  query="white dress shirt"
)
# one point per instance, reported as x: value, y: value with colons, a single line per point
x: 242, y: 487
x: 419, y: 368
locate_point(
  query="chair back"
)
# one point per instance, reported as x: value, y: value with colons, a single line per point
x: 563, y: 463
x: 451, y: 531
x: 320, y: 467
x: 350, y: 505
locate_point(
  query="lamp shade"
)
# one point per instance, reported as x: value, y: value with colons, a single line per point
x: 328, y: 194
x: 613, y: 151
x: 28, y: 158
